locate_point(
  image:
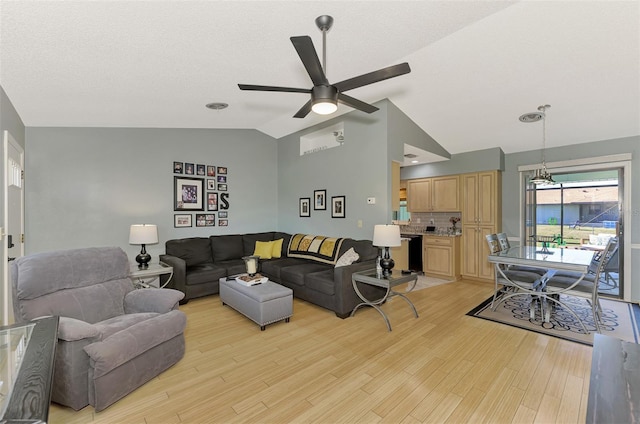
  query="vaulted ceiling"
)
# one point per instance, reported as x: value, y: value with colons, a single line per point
x: 476, y: 65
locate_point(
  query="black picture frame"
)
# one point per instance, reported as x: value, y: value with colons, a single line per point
x: 222, y: 187
x: 211, y: 171
x: 223, y: 223
x: 211, y: 184
x: 178, y: 167
x: 222, y: 170
x: 223, y: 214
x: 201, y: 170
x: 320, y: 200
x: 212, y: 201
x: 182, y: 220
x: 338, y: 207
x: 205, y: 220
x: 188, y: 194
x: 189, y: 168
x: 305, y: 207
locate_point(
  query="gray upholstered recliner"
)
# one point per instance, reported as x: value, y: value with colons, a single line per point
x: 112, y: 338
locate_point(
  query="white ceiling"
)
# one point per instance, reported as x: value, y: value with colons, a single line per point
x: 476, y: 65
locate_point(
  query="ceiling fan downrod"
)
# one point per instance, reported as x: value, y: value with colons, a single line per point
x: 324, y: 23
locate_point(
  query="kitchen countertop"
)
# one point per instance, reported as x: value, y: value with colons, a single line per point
x: 430, y: 233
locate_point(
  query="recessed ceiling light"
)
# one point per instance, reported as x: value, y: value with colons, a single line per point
x: 415, y: 161
x: 217, y: 105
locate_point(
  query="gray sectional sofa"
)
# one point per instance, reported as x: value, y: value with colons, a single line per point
x: 199, y: 263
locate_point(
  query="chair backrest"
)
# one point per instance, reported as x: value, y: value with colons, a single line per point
x: 601, y: 259
x: 494, y: 244
x: 86, y: 284
x: 504, y: 241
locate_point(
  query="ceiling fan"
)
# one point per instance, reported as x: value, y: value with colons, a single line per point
x: 325, y: 96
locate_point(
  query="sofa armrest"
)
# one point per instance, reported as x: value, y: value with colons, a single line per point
x: 179, y: 279
x: 152, y: 300
x: 345, y: 297
x: 71, y: 330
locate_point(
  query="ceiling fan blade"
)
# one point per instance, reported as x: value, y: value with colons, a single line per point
x: 304, y: 110
x: 309, y: 57
x: 375, y: 76
x: 355, y: 103
x: 273, y: 88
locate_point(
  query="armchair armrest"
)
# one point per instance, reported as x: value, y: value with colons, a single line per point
x: 152, y: 300
x: 71, y: 330
x: 179, y: 279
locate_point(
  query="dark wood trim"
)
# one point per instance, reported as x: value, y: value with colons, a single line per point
x: 31, y: 395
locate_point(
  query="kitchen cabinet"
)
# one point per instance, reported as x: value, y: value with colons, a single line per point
x: 441, y: 256
x: 439, y: 194
x: 481, y: 215
x: 400, y: 255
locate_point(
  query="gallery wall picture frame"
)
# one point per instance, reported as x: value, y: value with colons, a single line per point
x: 222, y: 170
x: 305, y: 207
x: 320, y: 200
x: 211, y: 184
x: 205, y: 220
x: 222, y: 187
x: 212, y: 201
x: 223, y: 222
x: 338, y: 207
x: 188, y: 194
x: 211, y: 171
x: 178, y: 167
x: 189, y: 168
x: 200, y: 170
x: 223, y: 214
x: 182, y: 220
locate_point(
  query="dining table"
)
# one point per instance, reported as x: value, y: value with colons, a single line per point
x: 551, y: 260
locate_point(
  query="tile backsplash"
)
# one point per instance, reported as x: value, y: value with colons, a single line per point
x: 420, y: 221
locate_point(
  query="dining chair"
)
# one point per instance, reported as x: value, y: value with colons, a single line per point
x: 503, y: 242
x: 508, y: 279
x: 581, y: 286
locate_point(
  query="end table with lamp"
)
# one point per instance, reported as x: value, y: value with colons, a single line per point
x: 143, y: 234
x: 142, y: 277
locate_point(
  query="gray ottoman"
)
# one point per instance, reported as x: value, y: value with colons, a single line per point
x: 264, y: 304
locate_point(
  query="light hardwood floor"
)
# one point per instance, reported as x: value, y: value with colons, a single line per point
x: 443, y: 367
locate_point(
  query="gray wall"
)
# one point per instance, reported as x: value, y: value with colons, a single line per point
x: 86, y: 186
x: 479, y: 160
x: 358, y: 169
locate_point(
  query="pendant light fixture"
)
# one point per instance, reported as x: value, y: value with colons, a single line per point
x: 542, y: 176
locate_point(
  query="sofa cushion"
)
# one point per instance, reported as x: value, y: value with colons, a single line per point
x: 295, y: 274
x: 263, y: 249
x: 272, y: 267
x: 349, y: 257
x: 316, y: 248
x: 321, y: 281
x: 276, y: 248
x: 233, y: 266
x: 249, y: 241
x: 227, y: 247
x: 364, y: 248
x: 194, y: 250
x: 204, y: 273
x: 285, y: 241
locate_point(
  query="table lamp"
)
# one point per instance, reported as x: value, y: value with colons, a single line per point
x: 386, y: 236
x: 143, y: 234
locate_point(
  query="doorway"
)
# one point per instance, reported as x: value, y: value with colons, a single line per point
x: 13, y: 242
x: 582, y: 210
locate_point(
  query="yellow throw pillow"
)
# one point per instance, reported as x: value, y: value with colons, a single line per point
x: 277, y: 248
x: 263, y: 249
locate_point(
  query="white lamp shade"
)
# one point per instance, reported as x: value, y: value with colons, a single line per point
x: 143, y: 234
x: 386, y: 235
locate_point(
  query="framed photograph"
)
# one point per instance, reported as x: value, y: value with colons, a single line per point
x: 223, y: 214
x: 222, y: 187
x: 222, y: 178
x: 338, y: 207
x: 211, y: 171
x: 189, y: 169
x: 320, y: 200
x: 200, y: 170
x: 223, y: 222
x: 305, y: 206
x: 205, y: 220
x: 182, y: 220
x: 212, y: 201
x: 211, y: 184
x: 188, y: 194
x: 222, y: 170
x: 178, y: 167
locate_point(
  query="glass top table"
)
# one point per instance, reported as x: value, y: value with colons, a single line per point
x: 371, y: 278
x: 559, y: 259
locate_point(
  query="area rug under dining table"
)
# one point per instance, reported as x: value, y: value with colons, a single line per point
x: 621, y: 319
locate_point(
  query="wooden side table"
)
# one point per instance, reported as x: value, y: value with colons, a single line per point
x: 141, y: 277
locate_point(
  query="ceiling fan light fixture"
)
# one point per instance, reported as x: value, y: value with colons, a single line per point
x: 324, y: 99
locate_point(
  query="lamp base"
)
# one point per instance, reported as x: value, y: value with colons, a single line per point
x: 143, y: 258
x: 387, y: 265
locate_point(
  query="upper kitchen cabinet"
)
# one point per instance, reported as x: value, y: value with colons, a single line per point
x: 480, y: 194
x: 439, y: 194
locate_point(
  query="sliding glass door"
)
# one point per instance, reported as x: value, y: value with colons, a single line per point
x: 582, y: 210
